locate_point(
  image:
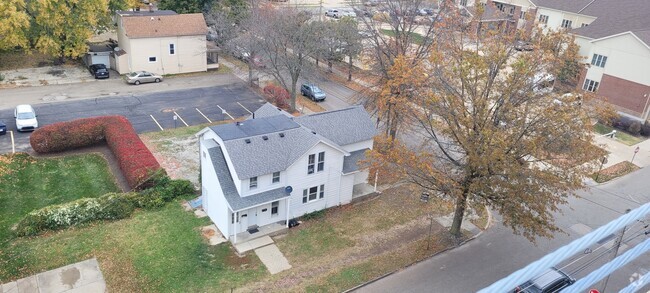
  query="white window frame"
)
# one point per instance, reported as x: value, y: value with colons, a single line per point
x: 543, y: 18
x: 522, y: 14
x: 463, y: 3
x: 252, y: 183
x: 172, y: 48
x: 275, y: 205
x: 321, y: 162
x: 599, y: 60
x: 584, y: 24
x: 155, y: 59
x: 566, y: 23
x: 311, y: 164
x: 590, y: 85
x: 274, y: 178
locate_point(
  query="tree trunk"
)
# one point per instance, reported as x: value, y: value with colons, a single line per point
x: 392, y: 126
x: 293, y: 95
x: 350, y: 68
x: 329, y: 66
x: 250, y: 72
x: 461, y: 203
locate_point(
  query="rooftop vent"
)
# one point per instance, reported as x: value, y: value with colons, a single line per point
x: 247, y: 140
x: 314, y: 132
x: 264, y: 137
x: 281, y: 134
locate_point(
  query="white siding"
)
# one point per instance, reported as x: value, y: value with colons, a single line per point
x: 347, y: 184
x: 190, y: 54
x: 627, y: 58
x: 264, y: 183
x: 366, y: 144
x: 555, y: 18
x: 214, y: 202
x: 299, y: 179
x: 360, y: 177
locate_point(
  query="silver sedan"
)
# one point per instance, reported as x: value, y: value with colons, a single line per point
x: 139, y: 77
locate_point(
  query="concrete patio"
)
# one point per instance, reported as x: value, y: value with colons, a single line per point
x: 80, y: 277
x: 270, y: 229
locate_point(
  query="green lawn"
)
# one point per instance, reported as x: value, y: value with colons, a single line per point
x: 27, y: 184
x: 417, y: 38
x: 154, y: 251
x: 621, y: 136
x: 158, y: 250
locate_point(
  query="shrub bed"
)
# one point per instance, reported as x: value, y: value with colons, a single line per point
x: 134, y: 158
x: 277, y: 95
x: 111, y: 206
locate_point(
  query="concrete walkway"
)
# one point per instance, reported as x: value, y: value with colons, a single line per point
x: 619, y: 152
x: 80, y: 277
x: 273, y: 259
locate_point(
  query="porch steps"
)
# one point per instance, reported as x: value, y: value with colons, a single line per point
x: 253, y: 244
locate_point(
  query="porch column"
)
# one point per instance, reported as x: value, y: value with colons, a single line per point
x: 287, y: 223
x: 236, y: 216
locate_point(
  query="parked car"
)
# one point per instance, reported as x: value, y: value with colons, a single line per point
x: 99, y: 71
x: 3, y: 127
x: 524, y: 46
x: 25, y: 118
x: 313, y: 92
x: 338, y: 13
x: 553, y: 280
x: 139, y: 77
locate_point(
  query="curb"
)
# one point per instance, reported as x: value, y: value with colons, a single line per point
x: 487, y: 225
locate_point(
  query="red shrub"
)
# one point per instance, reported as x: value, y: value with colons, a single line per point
x: 135, y: 160
x: 278, y: 96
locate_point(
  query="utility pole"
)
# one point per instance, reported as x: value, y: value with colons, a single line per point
x: 617, y: 245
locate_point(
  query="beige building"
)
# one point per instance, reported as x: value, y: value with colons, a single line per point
x: 161, y: 42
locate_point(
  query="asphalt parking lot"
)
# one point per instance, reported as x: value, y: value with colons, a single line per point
x: 147, y: 112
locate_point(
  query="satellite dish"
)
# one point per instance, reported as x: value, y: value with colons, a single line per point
x: 288, y: 189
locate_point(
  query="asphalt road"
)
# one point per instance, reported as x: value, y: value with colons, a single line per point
x: 498, y: 252
x: 140, y: 107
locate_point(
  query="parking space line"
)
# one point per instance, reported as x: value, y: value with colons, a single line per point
x: 179, y: 117
x: 154, y: 120
x: 13, y: 144
x: 206, y: 117
x: 225, y: 112
x: 249, y: 112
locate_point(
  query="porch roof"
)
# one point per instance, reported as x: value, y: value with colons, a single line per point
x: 234, y: 199
x: 351, y: 162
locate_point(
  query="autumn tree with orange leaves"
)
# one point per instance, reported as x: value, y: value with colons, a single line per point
x: 489, y: 128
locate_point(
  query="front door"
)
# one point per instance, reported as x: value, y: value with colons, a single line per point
x: 252, y: 216
x: 243, y: 221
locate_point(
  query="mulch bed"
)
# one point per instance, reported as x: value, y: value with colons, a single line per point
x: 614, y: 171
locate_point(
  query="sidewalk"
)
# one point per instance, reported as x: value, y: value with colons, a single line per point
x: 619, y: 152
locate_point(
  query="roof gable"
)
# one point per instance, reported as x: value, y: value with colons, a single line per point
x: 268, y: 110
x: 342, y: 127
x: 146, y: 26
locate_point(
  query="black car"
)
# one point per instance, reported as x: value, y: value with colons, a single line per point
x: 98, y: 71
x: 3, y: 127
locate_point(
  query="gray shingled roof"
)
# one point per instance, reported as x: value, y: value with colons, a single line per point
x: 275, y: 154
x: 343, y: 127
x: 350, y: 163
x: 253, y: 127
x: 268, y: 110
x: 612, y: 16
x: 235, y: 201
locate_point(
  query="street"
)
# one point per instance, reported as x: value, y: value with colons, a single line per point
x: 498, y: 252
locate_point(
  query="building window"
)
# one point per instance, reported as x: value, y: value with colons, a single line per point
x: 599, y: 60
x: 313, y: 193
x: 566, y: 23
x: 172, y: 49
x: 590, y: 85
x: 274, y: 208
x: 276, y: 177
x: 584, y: 24
x: 522, y: 15
x: 310, y: 164
x: 463, y: 2
x: 543, y: 18
x: 152, y: 59
x: 252, y: 184
x: 321, y: 161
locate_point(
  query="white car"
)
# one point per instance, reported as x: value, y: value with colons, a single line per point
x: 25, y: 118
x: 338, y: 13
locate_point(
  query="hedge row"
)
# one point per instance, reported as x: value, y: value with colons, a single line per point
x: 111, y: 206
x: 135, y: 160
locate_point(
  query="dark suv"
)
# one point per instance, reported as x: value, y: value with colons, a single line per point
x: 98, y: 71
x: 553, y: 280
x: 3, y: 127
x: 313, y: 92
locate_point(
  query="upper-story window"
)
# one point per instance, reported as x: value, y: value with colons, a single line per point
x: 276, y: 177
x: 599, y: 60
x: 172, y: 49
x: 463, y: 2
x: 584, y: 24
x: 311, y: 164
x: 566, y: 23
x: 252, y: 183
x: 543, y: 18
x: 522, y: 15
x: 590, y: 85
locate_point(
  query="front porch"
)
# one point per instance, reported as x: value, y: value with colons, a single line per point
x: 270, y: 229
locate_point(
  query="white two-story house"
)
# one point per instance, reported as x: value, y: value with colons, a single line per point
x: 274, y: 167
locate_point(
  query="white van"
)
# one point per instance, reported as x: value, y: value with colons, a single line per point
x: 25, y: 118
